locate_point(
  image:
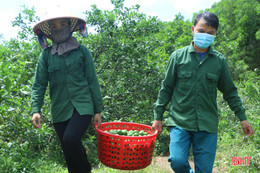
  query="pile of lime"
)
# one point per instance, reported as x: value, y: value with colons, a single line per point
x: 124, y: 132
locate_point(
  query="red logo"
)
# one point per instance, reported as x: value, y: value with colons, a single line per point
x: 238, y: 161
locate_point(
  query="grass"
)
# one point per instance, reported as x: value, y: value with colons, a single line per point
x: 19, y: 157
x: 149, y: 169
x: 47, y: 167
x: 222, y: 165
x: 45, y: 164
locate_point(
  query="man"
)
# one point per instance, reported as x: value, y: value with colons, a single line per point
x: 192, y: 77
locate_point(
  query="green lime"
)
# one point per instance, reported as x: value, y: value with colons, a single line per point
x: 119, y: 132
x: 124, y: 132
x: 130, y: 133
x: 113, y: 132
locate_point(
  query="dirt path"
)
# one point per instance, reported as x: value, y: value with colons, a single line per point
x: 162, y: 161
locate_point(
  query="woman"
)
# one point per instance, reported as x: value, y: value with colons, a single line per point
x: 73, y: 85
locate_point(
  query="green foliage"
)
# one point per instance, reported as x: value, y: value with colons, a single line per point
x: 121, y: 49
x: 25, y: 20
x: 239, y: 23
x: 232, y: 141
x: 131, y: 51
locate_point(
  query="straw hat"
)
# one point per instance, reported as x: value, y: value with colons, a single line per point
x: 43, y: 31
x: 77, y: 24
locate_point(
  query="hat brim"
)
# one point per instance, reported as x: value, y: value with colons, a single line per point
x: 43, y: 27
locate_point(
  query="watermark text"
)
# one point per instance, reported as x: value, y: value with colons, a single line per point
x: 235, y: 161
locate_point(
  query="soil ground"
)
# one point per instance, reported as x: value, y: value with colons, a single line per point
x: 162, y: 161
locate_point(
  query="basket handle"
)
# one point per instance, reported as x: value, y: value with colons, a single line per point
x: 96, y: 125
x: 156, y: 132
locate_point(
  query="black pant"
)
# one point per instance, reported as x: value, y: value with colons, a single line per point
x: 70, y: 133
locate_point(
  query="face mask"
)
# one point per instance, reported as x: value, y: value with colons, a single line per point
x: 61, y: 35
x: 203, y: 40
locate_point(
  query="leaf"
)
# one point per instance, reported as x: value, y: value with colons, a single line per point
x: 7, y: 83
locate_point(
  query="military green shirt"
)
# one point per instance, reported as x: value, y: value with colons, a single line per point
x: 190, y: 85
x: 72, y: 82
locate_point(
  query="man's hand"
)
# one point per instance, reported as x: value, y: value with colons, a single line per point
x: 247, y: 128
x: 97, y: 119
x: 157, y: 125
x: 36, y: 120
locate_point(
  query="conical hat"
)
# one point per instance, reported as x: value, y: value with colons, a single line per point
x: 76, y: 23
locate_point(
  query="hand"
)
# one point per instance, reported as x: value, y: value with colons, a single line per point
x: 247, y: 128
x: 97, y: 119
x: 157, y: 125
x: 36, y: 120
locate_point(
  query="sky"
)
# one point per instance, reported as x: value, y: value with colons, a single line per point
x: 163, y: 9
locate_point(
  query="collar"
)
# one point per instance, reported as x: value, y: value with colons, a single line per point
x: 65, y: 47
x: 192, y: 49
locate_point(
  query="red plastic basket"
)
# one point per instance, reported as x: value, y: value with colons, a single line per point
x: 125, y: 152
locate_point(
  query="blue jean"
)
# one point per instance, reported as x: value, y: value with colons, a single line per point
x: 204, y: 145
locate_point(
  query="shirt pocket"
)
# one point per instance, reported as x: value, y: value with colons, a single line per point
x: 78, y: 69
x: 184, y: 79
x: 78, y: 64
x: 55, y: 75
x: 212, y: 82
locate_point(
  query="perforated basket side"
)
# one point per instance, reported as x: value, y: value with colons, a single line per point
x: 125, y: 152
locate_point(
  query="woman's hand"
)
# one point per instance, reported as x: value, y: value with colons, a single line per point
x: 97, y: 119
x: 36, y: 120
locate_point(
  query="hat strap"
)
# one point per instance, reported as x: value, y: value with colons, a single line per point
x: 42, y: 40
x: 82, y: 29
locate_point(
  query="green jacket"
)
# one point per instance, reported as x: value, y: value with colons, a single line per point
x: 191, y: 86
x: 72, y: 82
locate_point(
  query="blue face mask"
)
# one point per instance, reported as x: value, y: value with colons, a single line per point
x: 203, y: 40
